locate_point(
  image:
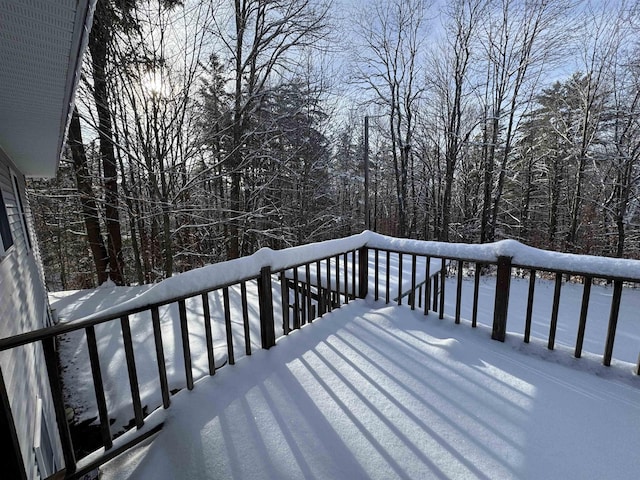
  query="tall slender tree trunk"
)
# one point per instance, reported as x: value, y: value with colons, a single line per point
x: 528, y: 189
x: 554, y: 194
x: 98, y: 44
x: 235, y: 158
x: 488, y: 156
x: 622, y: 201
x: 89, y: 207
x: 576, y: 200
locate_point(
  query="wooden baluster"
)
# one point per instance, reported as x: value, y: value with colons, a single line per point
x: 476, y: 294
x: 307, y: 271
x: 302, y: 298
x: 131, y: 370
x: 527, y: 322
x: 245, y: 318
x: 613, y: 321
x: 206, y: 310
x: 329, y: 299
x: 586, y: 293
x: 412, y: 294
x: 435, y: 291
x: 319, y: 289
x: 162, y: 368
x: 459, y: 292
x: 227, y: 325
x: 296, y: 300
x: 443, y: 277
x: 338, y: 281
x: 554, y: 311
x: 376, y: 274
x: 345, y: 261
x: 427, y: 285
x: 284, y: 288
x: 186, y: 349
x: 399, y: 278
x: 388, y: 273
x: 364, y: 252
x: 98, y: 387
x: 363, y: 273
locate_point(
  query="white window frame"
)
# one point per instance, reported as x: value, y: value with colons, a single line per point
x: 43, y: 447
x: 3, y: 248
x: 15, y: 183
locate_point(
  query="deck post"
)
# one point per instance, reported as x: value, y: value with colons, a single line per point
x: 363, y: 272
x: 51, y: 361
x: 501, y: 304
x: 265, y: 299
x: 13, y: 464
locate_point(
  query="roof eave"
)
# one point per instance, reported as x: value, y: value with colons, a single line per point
x: 84, y: 19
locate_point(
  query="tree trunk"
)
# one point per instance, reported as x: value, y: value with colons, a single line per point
x: 554, y: 193
x: 98, y: 42
x: 89, y: 208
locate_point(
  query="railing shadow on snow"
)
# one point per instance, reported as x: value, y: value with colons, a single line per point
x: 313, y: 280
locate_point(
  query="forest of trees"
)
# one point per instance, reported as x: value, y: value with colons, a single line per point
x: 207, y: 129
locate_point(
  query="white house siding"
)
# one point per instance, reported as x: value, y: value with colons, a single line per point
x: 23, y: 307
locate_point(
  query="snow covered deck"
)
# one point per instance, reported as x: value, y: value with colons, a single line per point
x: 374, y: 391
x: 146, y: 346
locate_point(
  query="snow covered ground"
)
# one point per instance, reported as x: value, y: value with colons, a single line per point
x: 375, y: 391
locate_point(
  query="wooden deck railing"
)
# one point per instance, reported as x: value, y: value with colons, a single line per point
x: 310, y: 300
x: 434, y: 294
x: 307, y: 290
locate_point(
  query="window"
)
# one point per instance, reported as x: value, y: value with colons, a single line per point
x: 23, y: 215
x: 6, y: 239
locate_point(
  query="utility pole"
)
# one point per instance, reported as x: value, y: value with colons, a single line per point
x: 366, y: 172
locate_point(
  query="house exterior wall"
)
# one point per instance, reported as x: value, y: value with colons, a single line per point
x: 24, y: 307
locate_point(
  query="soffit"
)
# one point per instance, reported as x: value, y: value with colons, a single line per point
x: 41, y: 43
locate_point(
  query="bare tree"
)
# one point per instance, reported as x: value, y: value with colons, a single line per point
x: 619, y: 172
x: 156, y: 125
x: 109, y: 16
x: 264, y: 44
x: 520, y: 40
x: 388, y: 63
x: 452, y: 88
x: 87, y: 200
x: 599, y: 39
x: 623, y: 199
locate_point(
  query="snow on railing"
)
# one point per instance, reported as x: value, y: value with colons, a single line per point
x: 295, y: 286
